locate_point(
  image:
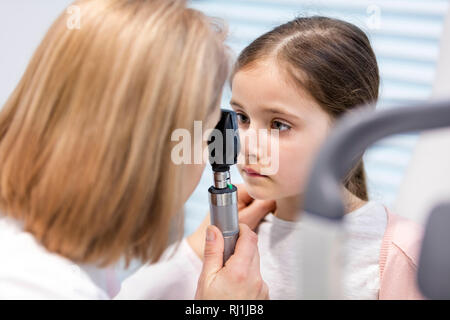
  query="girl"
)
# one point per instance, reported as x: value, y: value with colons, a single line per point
x: 298, y: 79
x: 86, y: 176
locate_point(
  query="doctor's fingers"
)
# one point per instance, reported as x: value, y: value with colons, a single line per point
x: 242, y: 260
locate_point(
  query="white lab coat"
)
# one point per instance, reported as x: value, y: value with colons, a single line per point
x: 29, y: 271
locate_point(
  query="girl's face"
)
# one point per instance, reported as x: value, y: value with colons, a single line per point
x: 264, y: 99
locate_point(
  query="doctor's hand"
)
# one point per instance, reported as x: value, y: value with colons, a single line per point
x: 251, y: 212
x: 240, y: 278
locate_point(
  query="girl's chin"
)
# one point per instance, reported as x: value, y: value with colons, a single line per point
x: 268, y: 192
x: 259, y: 192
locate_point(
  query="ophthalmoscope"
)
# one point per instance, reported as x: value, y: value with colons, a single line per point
x: 224, y: 145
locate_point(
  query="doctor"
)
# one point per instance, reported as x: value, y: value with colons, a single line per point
x: 86, y: 175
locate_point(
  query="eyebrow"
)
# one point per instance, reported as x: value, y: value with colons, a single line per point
x: 272, y: 110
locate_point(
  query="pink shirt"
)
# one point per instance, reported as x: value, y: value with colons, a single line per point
x: 399, y: 257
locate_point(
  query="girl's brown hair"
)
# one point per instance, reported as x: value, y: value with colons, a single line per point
x: 85, y: 138
x: 332, y: 59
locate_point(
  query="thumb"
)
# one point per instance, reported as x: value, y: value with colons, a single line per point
x: 213, y: 254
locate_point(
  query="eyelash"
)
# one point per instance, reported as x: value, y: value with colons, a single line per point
x: 283, y: 124
x: 240, y: 116
x: 240, y: 119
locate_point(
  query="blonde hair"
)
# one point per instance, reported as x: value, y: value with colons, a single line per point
x: 85, y: 136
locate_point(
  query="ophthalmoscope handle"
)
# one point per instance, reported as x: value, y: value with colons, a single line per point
x: 224, y: 215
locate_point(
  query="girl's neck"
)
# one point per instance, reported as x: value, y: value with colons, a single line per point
x: 289, y: 208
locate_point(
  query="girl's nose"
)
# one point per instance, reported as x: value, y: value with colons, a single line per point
x: 252, y: 144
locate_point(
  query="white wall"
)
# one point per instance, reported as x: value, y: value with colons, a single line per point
x: 23, y: 23
x: 427, y: 179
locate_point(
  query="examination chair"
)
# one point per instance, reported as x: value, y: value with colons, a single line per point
x: 424, y: 195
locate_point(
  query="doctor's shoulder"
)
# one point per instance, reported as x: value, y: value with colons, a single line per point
x: 29, y: 271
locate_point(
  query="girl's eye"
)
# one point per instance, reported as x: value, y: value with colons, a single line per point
x: 280, y: 126
x: 242, y: 118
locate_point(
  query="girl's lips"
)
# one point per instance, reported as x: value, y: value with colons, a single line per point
x: 253, y: 173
